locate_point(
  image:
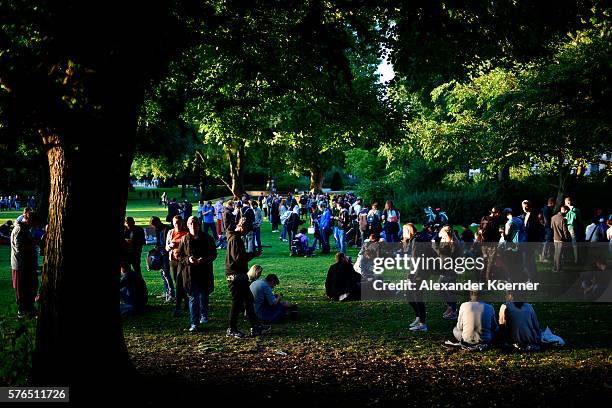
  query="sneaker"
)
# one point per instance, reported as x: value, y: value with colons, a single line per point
x: 234, y: 333
x: 415, y: 322
x: 170, y: 299
x: 418, y: 327
x: 204, y: 320
x: 260, y: 329
x: 193, y: 328
x: 20, y: 315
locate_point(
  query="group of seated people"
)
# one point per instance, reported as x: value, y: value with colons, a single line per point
x: 477, y: 327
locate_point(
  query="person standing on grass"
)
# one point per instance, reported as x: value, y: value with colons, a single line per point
x: 236, y: 269
x: 247, y: 217
x: 219, y: 216
x: 391, y: 219
x: 275, y: 213
x: 23, y: 266
x: 208, y: 220
x: 196, y: 253
x: 324, y: 227
x: 173, y: 239
x: 344, y: 224
x: 283, y: 215
x: 161, y: 232
x: 135, y: 239
x: 257, y: 226
x: 547, y: 213
x: 561, y: 234
x: 574, y: 225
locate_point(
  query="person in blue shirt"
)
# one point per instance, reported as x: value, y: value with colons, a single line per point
x: 324, y: 227
x: 208, y: 220
x: 269, y: 307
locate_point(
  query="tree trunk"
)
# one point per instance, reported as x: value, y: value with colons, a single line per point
x: 316, y: 179
x: 235, y: 156
x: 504, y: 174
x: 79, y: 334
x: 564, y: 182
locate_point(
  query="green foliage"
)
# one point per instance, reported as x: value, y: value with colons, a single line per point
x: 286, y: 182
x: 16, y: 348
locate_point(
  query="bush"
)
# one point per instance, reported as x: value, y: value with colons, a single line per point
x: 286, y: 182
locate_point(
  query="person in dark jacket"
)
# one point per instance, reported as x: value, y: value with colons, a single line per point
x: 342, y: 282
x: 535, y: 232
x: 197, y: 251
x: 547, y: 213
x: 561, y: 235
x: 236, y: 269
x: 488, y: 237
x: 134, y: 240
x: 132, y: 291
x: 161, y: 232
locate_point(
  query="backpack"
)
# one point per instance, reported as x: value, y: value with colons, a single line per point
x: 373, y: 222
x: 344, y: 220
x: 154, y: 260
x: 392, y: 216
x: 296, y: 247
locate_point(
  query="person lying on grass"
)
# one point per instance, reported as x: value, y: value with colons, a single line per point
x: 269, y: 308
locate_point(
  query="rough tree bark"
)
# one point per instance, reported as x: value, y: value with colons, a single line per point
x: 79, y: 329
x: 316, y: 179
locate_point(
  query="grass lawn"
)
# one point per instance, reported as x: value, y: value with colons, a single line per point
x: 340, y: 353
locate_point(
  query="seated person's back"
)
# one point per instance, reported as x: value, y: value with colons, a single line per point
x: 476, y: 321
x: 342, y: 280
x: 522, y: 325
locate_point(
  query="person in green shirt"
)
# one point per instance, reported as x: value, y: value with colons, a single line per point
x: 574, y: 224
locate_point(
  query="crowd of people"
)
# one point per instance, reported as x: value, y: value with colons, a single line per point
x: 184, y: 253
x: 15, y: 202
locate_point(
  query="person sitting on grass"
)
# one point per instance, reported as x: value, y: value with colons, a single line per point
x: 476, y: 324
x: 519, y: 325
x: 300, y: 245
x: 132, y: 291
x: 342, y: 282
x: 269, y: 308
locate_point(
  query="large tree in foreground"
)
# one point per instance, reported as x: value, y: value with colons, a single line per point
x: 72, y: 76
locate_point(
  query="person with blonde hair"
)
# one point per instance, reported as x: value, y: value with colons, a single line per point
x: 255, y: 272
